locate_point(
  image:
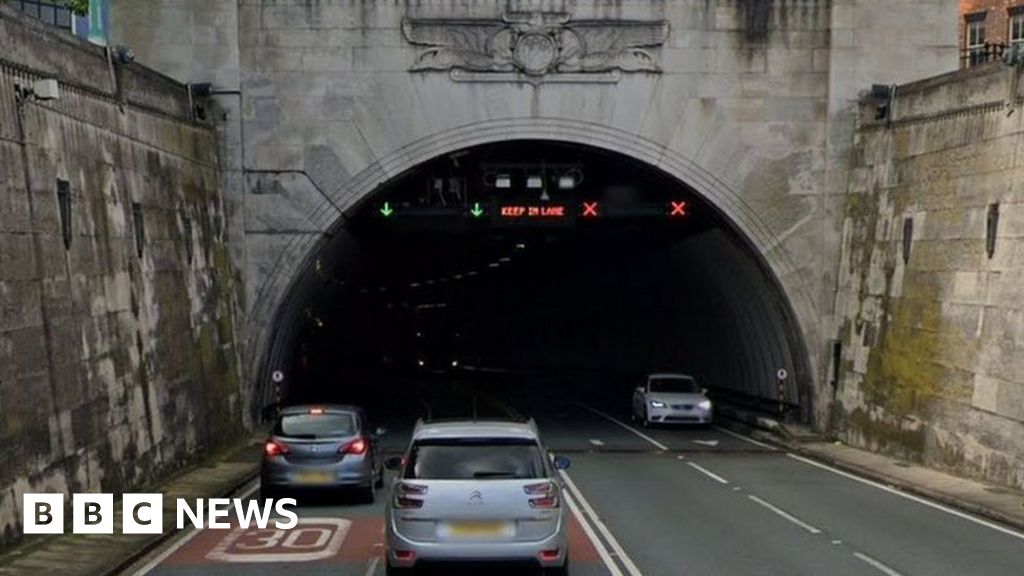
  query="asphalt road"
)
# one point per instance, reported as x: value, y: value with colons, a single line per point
x: 660, y: 502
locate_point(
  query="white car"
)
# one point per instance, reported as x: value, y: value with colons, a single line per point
x: 671, y: 399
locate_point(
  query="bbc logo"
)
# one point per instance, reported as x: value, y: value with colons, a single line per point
x: 93, y: 514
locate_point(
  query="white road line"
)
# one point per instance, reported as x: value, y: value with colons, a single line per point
x: 785, y: 514
x: 708, y: 473
x: 876, y: 564
x: 596, y: 442
x: 917, y: 499
x: 601, y: 550
x: 611, y: 418
x: 627, y: 562
x: 183, y: 540
x: 371, y: 568
x: 745, y: 438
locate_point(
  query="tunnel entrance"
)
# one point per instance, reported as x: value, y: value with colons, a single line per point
x: 556, y: 262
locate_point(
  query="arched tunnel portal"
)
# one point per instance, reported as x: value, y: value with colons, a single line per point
x: 539, y: 267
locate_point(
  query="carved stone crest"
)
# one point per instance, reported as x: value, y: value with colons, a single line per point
x: 534, y: 45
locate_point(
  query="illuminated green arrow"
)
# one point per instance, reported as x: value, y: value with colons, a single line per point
x: 387, y: 210
x: 477, y: 211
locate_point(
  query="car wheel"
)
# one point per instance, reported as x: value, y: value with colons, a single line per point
x: 390, y: 570
x: 562, y: 570
x: 647, y: 419
x: 370, y: 493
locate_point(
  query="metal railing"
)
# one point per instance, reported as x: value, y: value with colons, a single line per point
x: 53, y: 14
x: 976, y: 55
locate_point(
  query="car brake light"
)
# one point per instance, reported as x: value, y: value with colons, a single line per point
x: 405, y: 555
x: 549, y: 555
x: 545, y: 502
x: 274, y: 448
x: 409, y: 496
x: 356, y: 447
x: 542, y: 488
x: 544, y: 495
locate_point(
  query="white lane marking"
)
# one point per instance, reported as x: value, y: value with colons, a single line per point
x: 183, y: 540
x: 371, y: 568
x: 708, y: 473
x: 627, y: 562
x: 785, y: 514
x: 710, y: 443
x: 876, y: 564
x: 596, y: 442
x: 745, y: 438
x: 611, y: 418
x: 601, y: 550
x: 917, y: 499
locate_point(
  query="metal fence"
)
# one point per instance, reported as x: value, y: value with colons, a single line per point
x: 50, y: 13
x: 976, y: 55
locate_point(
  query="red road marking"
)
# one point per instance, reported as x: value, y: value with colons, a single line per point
x: 361, y: 544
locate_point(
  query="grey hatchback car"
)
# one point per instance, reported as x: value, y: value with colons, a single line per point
x: 321, y: 447
x: 472, y: 491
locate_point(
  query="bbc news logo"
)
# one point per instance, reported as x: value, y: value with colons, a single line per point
x: 144, y: 513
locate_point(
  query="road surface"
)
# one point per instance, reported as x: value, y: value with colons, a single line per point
x: 660, y: 502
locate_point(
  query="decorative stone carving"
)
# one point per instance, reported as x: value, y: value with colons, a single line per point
x: 535, y: 45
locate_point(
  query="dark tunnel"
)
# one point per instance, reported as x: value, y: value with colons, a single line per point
x: 536, y: 262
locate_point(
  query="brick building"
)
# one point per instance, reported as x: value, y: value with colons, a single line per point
x: 988, y: 26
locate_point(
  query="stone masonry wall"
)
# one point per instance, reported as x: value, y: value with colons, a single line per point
x: 933, y: 327
x: 116, y: 366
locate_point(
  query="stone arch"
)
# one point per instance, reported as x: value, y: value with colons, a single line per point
x: 272, y: 303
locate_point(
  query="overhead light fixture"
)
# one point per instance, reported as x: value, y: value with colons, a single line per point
x: 504, y: 259
x: 493, y: 265
x: 520, y: 246
x: 570, y: 180
x: 534, y: 182
x: 503, y: 182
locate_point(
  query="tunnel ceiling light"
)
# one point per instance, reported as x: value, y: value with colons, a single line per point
x: 504, y: 259
x: 414, y: 285
x: 493, y: 265
x: 566, y: 182
x: 534, y: 182
x: 503, y: 182
x: 430, y: 282
x: 458, y: 276
x: 521, y: 246
x: 471, y: 273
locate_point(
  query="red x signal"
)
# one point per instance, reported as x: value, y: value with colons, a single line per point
x: 590, y: 210
x: 678, y: 209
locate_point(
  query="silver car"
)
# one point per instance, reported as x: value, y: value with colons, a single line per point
x: 472, y: 491
x: 321, y: 447
x: 671, y: 399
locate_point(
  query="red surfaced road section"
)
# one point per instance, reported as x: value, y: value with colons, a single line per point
x: 319, y: 540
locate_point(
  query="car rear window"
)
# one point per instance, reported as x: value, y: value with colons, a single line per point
x: 475, y: 459
x: 676, y: 385
x: 315, y: 425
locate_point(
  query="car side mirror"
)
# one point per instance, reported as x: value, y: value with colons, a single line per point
x: 380, y: 431
x: 704, y: 390
x: 562, y: 463
x: 394, y: 463
x: 640, y: 389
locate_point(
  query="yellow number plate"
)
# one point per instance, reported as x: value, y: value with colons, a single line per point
x: 479, y: 529
x: 314, y: 477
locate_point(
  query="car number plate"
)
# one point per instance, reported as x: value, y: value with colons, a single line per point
x: 313, y: 477
x: 479, y: 529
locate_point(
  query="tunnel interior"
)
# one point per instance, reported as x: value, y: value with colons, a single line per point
x: 554, y: 262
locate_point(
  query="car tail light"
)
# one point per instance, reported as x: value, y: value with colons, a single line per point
x: 274, y: 448
x: 543, y: 495
x: 356, y: 447
x: 405, y: 555
x: 409, y: 496
x: 549, y: 555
